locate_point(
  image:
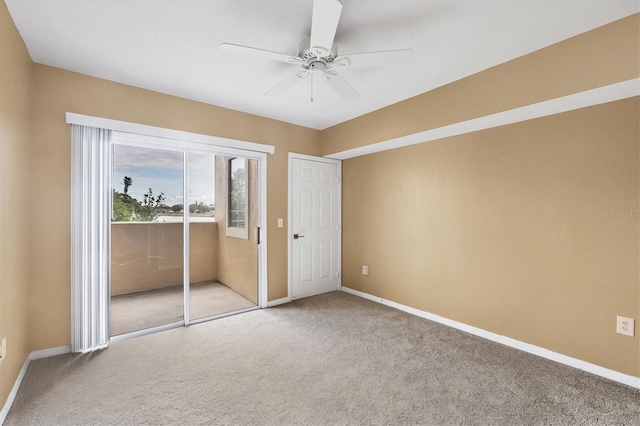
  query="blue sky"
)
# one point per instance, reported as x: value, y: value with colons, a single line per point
x: 162, y: 171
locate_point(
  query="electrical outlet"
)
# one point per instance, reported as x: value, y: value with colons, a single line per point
x: 3, y: 353
x: 365, y: 269
x: 625, y: 326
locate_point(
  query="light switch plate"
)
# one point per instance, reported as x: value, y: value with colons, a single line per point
x: 280, y: 222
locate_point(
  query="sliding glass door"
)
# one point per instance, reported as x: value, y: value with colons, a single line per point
x: 222, y: 204
x: 203, y: 230
x: 147, y: 245
x: 184, y: 235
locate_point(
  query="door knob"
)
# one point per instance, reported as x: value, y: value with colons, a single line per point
x: 296, y: 236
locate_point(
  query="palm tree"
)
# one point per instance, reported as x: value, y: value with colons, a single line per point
x: 127, y: 181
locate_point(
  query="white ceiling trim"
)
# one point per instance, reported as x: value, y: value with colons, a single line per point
x: 161, y: 132
x: 601, y: 95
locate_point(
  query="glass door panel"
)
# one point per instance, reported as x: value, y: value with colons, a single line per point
x: 146, y: 238
x: 222, y: 249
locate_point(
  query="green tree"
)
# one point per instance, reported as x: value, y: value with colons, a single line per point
x: 128, y: 209
x: 177, y: 208
x: 148, y: 209
x: 124, y: 207
x: 238, y: 197
x: 200, y: 208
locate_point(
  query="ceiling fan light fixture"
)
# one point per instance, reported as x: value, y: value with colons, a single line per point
x: 318, y: 67
x: 318, y: 54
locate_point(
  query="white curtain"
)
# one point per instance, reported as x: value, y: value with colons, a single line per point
x: 90, y: 229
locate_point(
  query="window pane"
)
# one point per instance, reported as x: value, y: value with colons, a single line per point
x: 146, y: 238
x: 237, y: 193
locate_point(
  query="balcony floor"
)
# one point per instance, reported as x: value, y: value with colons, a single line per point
x: 147, y: 309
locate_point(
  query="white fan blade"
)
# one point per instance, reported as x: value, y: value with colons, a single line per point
x: 287, y: 83
x: 341, y: 86
x: 259, y: 53
x: 324, y: 23
x: 374, y: 59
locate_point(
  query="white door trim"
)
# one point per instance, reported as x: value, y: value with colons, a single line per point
x: 263, y: 281
x: 292, y: 156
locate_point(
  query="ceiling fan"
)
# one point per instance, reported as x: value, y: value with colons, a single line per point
x: 318, y: 55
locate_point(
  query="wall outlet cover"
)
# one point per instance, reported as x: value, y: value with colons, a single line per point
x: 625, y: 326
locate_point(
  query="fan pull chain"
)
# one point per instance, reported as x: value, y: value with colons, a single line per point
x: 311, y: 99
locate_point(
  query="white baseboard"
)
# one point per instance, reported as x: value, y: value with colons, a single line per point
x: 43, y: 353
x: 272, y: 303
x: 46, y: 353
x: 507, y: 341
x: 14, y: 390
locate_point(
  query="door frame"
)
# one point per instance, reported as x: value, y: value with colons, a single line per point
x: 292, y: 156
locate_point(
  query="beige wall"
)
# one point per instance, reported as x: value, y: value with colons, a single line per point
x: 237, y: 258
x: 603, y: 56
x: 506, y: 230
x: 56, y: 92
x: 15, y: 190
x: 203, y: 247
x: 147, y: 256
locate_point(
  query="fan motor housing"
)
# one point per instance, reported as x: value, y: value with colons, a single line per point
x: 311, y: 55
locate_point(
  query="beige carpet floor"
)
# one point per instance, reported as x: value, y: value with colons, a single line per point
x: 147, y: 309
x: 333, y: 359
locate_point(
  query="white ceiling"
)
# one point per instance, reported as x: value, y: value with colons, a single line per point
x: 172, y: 46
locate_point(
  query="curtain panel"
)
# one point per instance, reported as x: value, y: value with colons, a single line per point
x: 90, y: 237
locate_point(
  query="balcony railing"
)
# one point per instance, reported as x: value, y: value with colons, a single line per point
x: 149, y: 255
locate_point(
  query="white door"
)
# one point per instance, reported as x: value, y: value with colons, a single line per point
x: 314, y: 229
